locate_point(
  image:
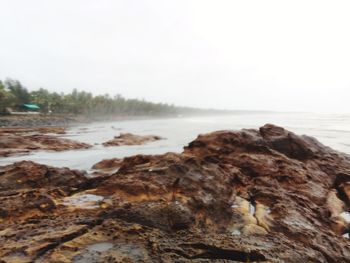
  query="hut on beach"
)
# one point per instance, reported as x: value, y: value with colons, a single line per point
x: 24, y: 109
x: 31, y: 107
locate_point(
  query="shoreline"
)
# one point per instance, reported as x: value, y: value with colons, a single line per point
x: 28, y: 121
x: 177, y: 130
x: 8, y: 121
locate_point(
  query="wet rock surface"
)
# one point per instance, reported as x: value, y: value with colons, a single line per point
x: 263, y: 195
x: 24, y: 140
x: 131, y: 139
x: 106, y: 166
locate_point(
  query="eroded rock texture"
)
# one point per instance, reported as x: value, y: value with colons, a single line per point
x: 263, y: 195
x: 25, y: 140
x: 131, y: 139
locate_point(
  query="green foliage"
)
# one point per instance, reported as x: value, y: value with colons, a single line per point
x: 14, y: 94
x: 6, y: 97
x: 19, y: 93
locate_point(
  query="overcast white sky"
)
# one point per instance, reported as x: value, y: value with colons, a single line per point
x: 269, y: 55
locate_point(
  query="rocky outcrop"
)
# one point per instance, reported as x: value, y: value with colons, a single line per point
x: 131, y: 139
x: 263, y: 195
x: 25, y: 140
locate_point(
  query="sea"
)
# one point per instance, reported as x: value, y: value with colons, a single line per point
x: 330, y: 129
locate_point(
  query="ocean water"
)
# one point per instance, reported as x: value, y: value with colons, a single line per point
x: 331, y: 129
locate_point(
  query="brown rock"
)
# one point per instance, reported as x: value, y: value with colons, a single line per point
x: 29, y: 175
x: 131, y: 139
x: 28, y: 188
x: 108, y: 164
x: 41, y: 129
x: 263, y: 195
x: 106, y: 167
x: 24, y: 140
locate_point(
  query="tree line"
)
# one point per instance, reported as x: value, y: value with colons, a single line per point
x: 13, y: 94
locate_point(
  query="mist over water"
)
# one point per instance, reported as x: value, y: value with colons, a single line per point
x: 331, y: 129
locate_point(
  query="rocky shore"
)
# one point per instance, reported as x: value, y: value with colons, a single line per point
x: 131, y: 139
x: 263, y: 195
x: 37, y: 120
x: 19, y: 140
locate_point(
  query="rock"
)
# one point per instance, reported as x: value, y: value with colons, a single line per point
x: 345, y: 191
x: 41, y: 129
x: 106, y: 167
x: 30, y: 175
x: 108, y: 164
x: 23, y: 140
x: 263, y: 195
x: 10, y: 152
x: 131, y: 139
x: 30, y: 188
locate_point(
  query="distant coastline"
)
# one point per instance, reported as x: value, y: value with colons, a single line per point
x: 66, y: 120
x: 52, y: 108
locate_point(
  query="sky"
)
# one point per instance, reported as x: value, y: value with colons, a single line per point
x: 225, y: 54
